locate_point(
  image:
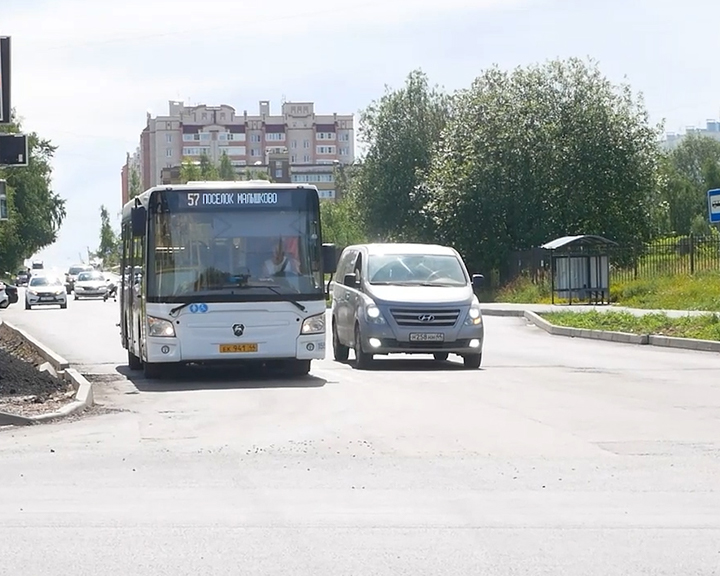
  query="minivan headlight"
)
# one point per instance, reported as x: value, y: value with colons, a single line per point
x: 314, y: 324
x: 373, y: 314
x: 160, y: 327
x: 474, y: 316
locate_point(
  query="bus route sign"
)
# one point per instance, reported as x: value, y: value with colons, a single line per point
x: 714, y: 205
x: 236, y: 199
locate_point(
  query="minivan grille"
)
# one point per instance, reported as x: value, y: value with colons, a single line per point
x: 430, y: 317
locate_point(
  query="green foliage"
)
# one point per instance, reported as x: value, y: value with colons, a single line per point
x: 226, y: 172
x: 35, y: 212
x: 189, y: 171
x: 205, y: 170
x: 677, y: 292
x: 208, y: 170
x: 523, y: 290
x: 542, y: 152
x: 340, y: 224
x: 401, y: 131
x: 109, y: 249
x: 686, y: 174
x: 134, y: 184
x: 704, y: 327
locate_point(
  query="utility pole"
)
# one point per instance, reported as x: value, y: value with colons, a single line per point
x: 13, y: 147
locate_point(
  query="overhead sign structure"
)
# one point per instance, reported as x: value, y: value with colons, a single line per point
x: 714, y: 206
x: 5, y: 106
x: 3, y: 201
x: 14, y: 150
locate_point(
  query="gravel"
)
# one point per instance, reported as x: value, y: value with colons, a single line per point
x: 23, y: 388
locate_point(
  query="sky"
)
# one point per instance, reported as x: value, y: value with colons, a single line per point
x: 86, y: 73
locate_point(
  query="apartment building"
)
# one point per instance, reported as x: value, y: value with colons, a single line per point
x: 313, y: 145
x: 711, y: 130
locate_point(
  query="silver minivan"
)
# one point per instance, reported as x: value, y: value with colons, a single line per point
x: 405, y: 298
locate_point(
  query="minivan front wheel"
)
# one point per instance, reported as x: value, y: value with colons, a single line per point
x: 340, y: 351
x: 362, y: 359
x: 472, y: 361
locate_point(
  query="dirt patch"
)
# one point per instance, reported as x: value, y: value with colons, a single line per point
x: 24, y: 389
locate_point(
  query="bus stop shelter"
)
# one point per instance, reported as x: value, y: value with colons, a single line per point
x: 580, y: 268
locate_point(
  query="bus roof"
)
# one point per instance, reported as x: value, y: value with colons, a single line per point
x: 213, y: 185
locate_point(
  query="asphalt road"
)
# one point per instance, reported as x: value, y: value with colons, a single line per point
x: 559, y: 457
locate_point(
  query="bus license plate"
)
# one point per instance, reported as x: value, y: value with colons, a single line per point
x: 238, y: 348
x: 427, y: 337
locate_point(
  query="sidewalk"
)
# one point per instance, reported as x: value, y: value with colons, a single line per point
x: 507, y: 309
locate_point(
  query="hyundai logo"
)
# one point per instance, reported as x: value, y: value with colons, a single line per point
x: 238, y: 329
x: 426, y: 317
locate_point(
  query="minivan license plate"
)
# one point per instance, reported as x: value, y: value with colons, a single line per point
x: 426, y: 337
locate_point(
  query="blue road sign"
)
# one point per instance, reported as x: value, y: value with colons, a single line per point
x: 714, y: 206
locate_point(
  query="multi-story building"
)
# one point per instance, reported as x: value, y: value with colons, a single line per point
x: 711, y: 130
x: 296, y: 144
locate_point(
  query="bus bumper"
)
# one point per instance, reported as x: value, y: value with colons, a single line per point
x: 169, y: 350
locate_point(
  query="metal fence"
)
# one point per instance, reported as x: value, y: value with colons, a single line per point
x: 662, y: 257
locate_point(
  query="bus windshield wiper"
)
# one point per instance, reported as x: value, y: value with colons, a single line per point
x: 295, y: 303
x: 177, y: 309
x: 273, y: 289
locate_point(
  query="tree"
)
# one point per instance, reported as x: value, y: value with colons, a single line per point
x: 401, y: 131
x: 35, y: 212
x: 134, y: 184
x: 208, y: 170
x: 542, y: 152
x: 189, y: 171
x: 687, y: 173
x: 109, y: 249
x: 226, y: 172
x: 339, y: 218
x: 255, y: 174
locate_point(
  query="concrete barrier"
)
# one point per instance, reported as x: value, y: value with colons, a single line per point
x: 84, y: 392
x: 622, y: 337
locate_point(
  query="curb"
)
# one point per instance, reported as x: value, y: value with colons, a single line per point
x: 500, y: 312
x: 57, y: 361
x: 623, y: 337
x: 84, y: 392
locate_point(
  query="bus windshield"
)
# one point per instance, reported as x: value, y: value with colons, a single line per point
x: 234, y: 254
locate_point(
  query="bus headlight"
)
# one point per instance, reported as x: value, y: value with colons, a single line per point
x: 160, y: 327
x: 314, y: 324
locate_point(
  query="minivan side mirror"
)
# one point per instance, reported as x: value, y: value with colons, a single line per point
x: 329, y: 258
x: 478, y: 280
x: 350, y: 280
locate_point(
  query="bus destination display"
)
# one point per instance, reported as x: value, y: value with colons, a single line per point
x: 237, y: 199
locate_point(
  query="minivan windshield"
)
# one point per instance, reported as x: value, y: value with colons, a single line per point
x: 416, y: 269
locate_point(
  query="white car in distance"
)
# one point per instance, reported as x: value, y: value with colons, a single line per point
x: 45, y: 291
x: 91, y: 284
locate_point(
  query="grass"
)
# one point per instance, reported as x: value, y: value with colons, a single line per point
x: 704, y: 327
x: 700, y: 291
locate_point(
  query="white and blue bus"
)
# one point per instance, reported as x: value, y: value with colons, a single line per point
x: 224, y: 271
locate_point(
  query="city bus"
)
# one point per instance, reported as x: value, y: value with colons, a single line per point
x: 216, y: 272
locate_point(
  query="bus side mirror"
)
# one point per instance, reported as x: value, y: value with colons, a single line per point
x: 138, y: 216
x: 329, y: 258
x: 477, y: 281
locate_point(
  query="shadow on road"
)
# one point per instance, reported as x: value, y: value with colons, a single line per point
x: 194, y: 377
x: 395, y: 364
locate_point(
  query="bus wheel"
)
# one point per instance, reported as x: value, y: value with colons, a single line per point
x: 153, y: 370
x: 134, y: 362
x: 298, y: 367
